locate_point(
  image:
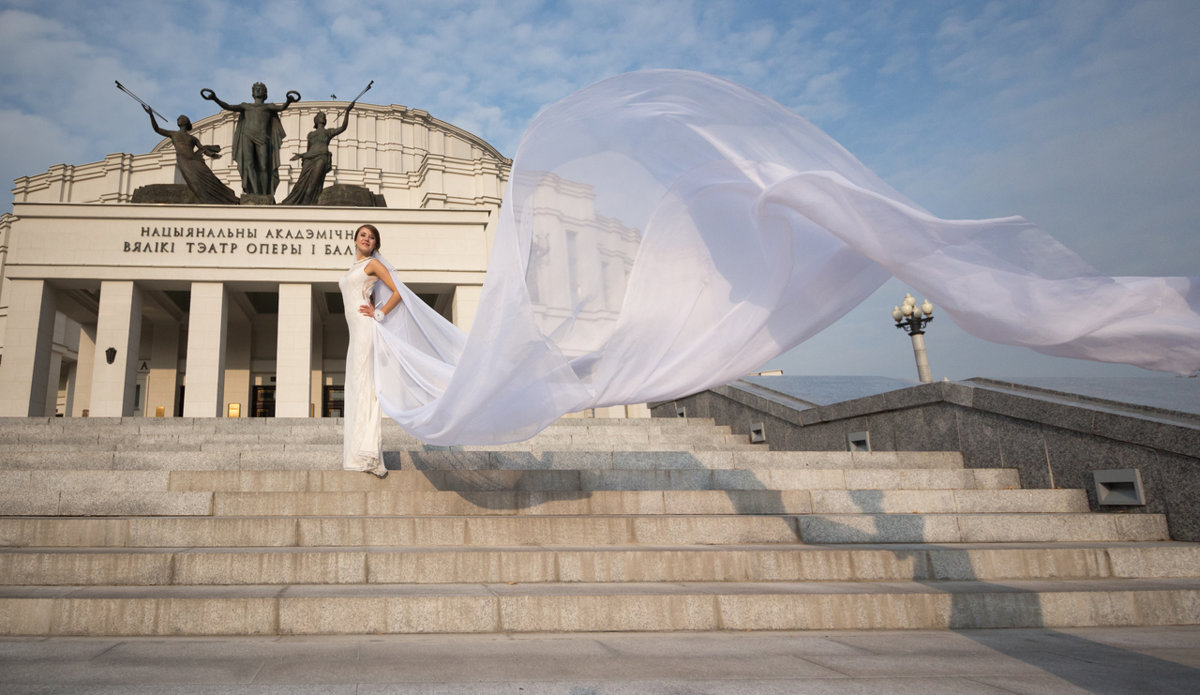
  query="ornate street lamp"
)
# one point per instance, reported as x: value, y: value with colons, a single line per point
x: 909, y: 317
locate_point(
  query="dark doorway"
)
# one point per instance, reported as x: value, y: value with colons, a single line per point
x: 264, y: 402
x: 333, y: 401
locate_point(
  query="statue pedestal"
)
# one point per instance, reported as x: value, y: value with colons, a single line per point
x: 171, y: 193
x: 342, y: 195
x: 349, y: 196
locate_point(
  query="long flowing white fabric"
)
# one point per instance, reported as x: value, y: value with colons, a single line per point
x: 665, y: 232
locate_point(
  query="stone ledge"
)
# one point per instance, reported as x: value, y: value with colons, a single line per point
x: 399, y: 608
x: 1139, y: 425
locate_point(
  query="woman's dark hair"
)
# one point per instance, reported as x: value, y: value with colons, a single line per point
x: 374, y: 233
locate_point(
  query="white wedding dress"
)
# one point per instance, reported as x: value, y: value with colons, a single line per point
x: 664, y: 232
x: 362, y: 442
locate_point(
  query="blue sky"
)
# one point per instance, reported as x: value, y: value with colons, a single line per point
x: 1083, y: 116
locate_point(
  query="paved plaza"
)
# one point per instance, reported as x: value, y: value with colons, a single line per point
x: 1157, y: 660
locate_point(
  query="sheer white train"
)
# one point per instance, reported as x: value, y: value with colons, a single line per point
x: 665, y: 232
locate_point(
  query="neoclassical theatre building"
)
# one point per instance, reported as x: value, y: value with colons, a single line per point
x: 112, y: 307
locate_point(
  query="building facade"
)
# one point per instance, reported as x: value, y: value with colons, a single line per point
x: 111, y: 308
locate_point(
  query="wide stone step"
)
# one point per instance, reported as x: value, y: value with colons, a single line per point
x: 48, y: 501
x: 980, y: 528
x: 542, y: 530
x: 393, y: 531
x: 912, y: 562
x: 464, y: 608
x: 625, y: 442
x: 105, y: 433
x: 32, y: 482
x: 604, y: 502
x: 51, y: 502
x: 298, y: 457
x: 670, y: 460
x: 557, y: 480
x: 639, y: 439
x: 209, y: 425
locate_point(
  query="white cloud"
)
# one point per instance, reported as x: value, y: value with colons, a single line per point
x: 32, y: 143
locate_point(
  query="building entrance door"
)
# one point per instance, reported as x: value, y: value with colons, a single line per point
x: 333, y: 401
x: 264, y: 402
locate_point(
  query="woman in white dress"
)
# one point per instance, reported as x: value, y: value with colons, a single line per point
x: 363, y: 437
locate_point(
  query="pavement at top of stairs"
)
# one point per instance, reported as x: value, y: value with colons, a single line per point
x: 1160, y: 660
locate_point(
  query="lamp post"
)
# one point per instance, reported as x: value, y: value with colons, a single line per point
x: 909, y: 317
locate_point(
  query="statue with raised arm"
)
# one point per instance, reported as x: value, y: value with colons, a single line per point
x: 316, y: 162
x: 189, y: 158
x: 257, y: 138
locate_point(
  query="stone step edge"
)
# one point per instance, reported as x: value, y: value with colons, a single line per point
x: 376, y: 609
x: 1045, y: 516
x: 468, y: 530
x: 543, y: 503
x: 304, y: 422
x: 784, y: 588
x: 622, y: 564
x: 517, y: 460
x: 593, y: 480
x: 650, y: 502
x: 46, y: 440
x: 175, y: 480
x: 567, y: 547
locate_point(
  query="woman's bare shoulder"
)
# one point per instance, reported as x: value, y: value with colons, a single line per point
x: 374, y: 267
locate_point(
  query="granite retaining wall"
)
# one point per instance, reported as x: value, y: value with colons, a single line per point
x: 1054, y: 440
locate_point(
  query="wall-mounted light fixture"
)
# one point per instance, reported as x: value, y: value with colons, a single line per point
x: 110, y: 354
x: 1119, y: 487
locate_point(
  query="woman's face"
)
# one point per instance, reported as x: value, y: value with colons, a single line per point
x: 365, y: 241
x: 319, y: 121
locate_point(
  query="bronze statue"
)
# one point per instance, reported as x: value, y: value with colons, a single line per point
x: 257, y: 138
x: 189, y: 158
x: 316, y: 162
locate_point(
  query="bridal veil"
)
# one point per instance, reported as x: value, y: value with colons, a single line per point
x: 664, y: 232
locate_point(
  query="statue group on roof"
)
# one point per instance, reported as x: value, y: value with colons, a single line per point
x: 257, y: 141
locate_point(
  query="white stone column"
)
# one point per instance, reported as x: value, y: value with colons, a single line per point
x: 59, y: 360
x: 207, y: 314
x: 293, y: 351
x: 53, y: 377
x: 82, y: 400
x: 164, y: 369
x: 28, y: 337
x: 119, y: 326
x: 72, y: 372
x: 238, y: 346
x: 317, y: 380
x: 466, y: 302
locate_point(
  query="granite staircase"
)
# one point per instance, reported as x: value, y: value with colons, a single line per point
x: 248, y: 527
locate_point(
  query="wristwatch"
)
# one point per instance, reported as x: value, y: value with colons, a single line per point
x: 379, y: 315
